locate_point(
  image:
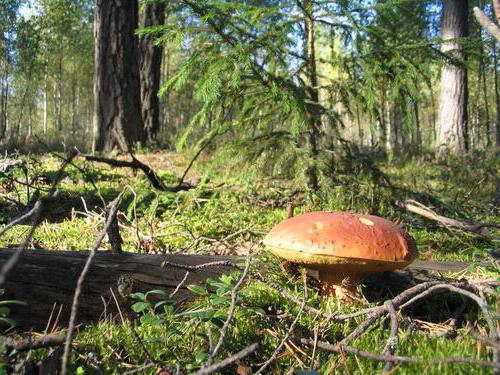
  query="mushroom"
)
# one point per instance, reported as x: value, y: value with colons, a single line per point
x: 342, y: 247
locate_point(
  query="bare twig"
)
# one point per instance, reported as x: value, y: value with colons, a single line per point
x: 422, y: 210
x: 232, y: 309
x: 198, y: 267
x: 228, y: 361
x: 45, y: 341
x: 392, y: 341
x: 79, y: 284
x: 200, y: 150
x: 150, y: 174
x: 398, y: 359
x: 287, y: 335
x: 36, y: 215
x: 179, y: 286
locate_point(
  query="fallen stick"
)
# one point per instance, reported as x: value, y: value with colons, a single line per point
x: 397, y: 358
x: 228, y: 361
x: 420, y: 209
x: 38, y: 342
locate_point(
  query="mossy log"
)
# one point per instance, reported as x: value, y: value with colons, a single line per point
x: 46, y: 281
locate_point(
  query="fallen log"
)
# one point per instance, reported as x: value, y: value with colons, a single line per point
x: 46, y: 281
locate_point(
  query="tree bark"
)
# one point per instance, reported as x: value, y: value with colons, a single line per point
x: 117, y: 108
x: 46, y: 280
x: 58, y: 95
x: 452, y: 117
x: 45, y: 104
x: 312, y: 115
x: 497, y: 95
x: 4, y: 94
x: 150, y: 70
x: 483, y: 68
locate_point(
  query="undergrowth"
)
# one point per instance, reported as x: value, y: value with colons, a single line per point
x: 242, y: 203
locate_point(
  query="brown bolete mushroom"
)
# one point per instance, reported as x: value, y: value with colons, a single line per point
x: 343, y: 247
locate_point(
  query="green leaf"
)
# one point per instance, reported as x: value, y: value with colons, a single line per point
x: 198, y: 290
x: 139, y: 296
x: 200, y: 357
x: 156, y: 291
x: 8, y: 321
x: 158, y: 304
x: 13, y: 302
x: 140, y: 306
x: 4, y: 311
x: 215, y: 300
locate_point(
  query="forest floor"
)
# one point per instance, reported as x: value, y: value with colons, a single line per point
x: 229, y: 212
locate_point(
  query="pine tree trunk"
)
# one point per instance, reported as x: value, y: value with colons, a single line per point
x: 117, y: 107
x: 313, y: 117
x: 497, y: 94
x: 452, y: 117
x: 417, y: 140
x: 165, y: 105
x: 3, y: 102
x: 150, y: 70
x: 486, y: 104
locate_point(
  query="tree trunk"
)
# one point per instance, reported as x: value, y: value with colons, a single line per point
x: 117, y: 107
x: 58, y: 96
x: 165, y: 112
x: 150, y: 70
x: 4, y: 91
x: 497, y: 94
x: 452, y: 117
x: 486, y: 103
x: 45, y: 104
x: 312, y: 115
x: 417, y: 139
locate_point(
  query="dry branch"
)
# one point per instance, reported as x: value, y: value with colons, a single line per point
x: 35, y: 215
x: 420, y: 209
x: 397, y: 358
x: 228, y: 361
x: 150, y: 174
x: 74, y: 307
x: 38, y: 342
x: 232, y: 309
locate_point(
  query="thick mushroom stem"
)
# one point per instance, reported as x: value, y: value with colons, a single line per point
x: 340, y: 284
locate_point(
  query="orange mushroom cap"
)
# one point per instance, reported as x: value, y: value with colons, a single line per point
x: 319, y: 235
